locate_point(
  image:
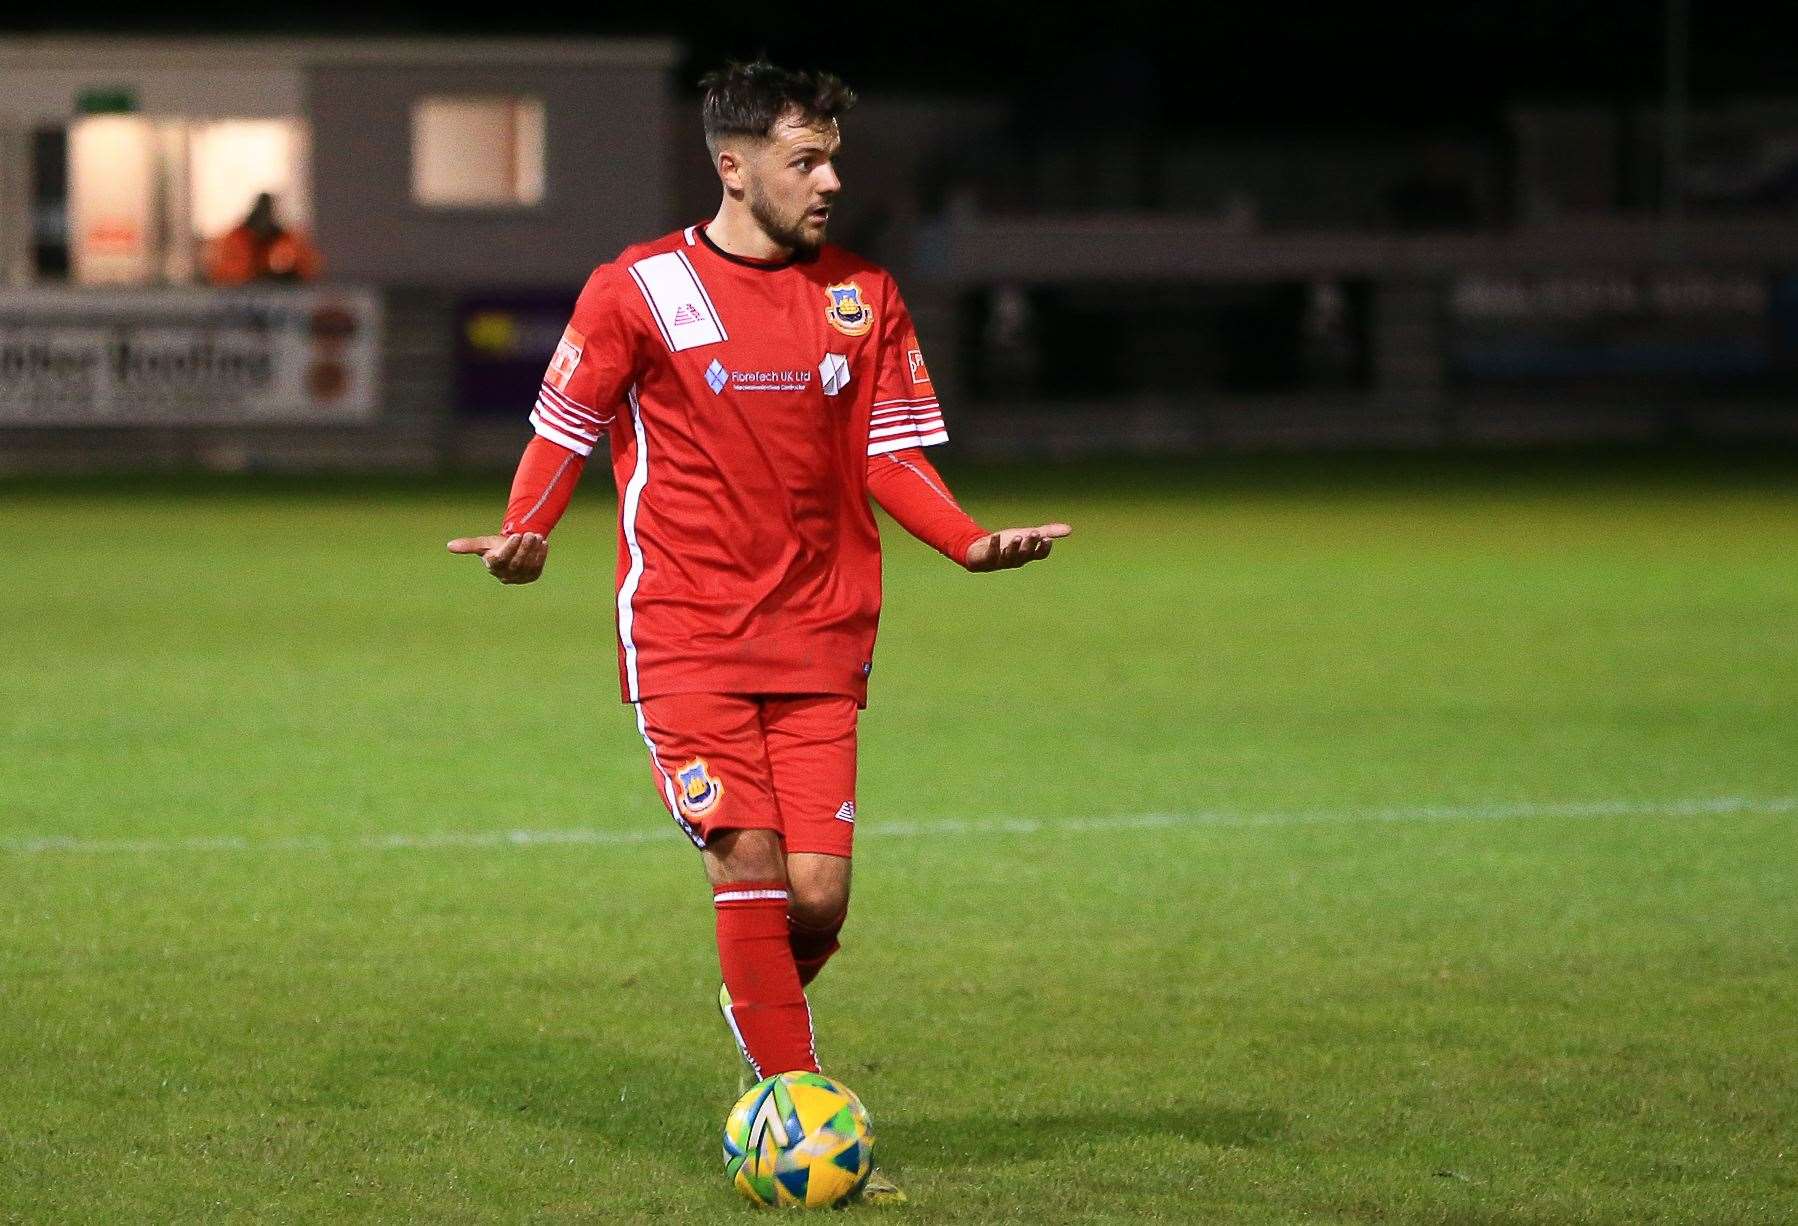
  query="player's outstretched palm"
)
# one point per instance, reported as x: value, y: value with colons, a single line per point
x: 1013, y: 547
x: 517, y: 558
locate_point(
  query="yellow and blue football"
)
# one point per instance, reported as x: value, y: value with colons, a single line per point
x: 798, y: 1140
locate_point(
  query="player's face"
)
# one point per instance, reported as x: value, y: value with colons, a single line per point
x: 790, y: 182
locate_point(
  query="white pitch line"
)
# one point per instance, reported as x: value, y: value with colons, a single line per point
x: 586, y: 836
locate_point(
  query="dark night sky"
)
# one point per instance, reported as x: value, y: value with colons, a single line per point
x: 1179, y: 66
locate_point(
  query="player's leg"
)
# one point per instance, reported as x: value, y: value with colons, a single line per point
x: 711, y: 763
x: 763, y: 999
x: 817, y: 909
x: 811, y: 759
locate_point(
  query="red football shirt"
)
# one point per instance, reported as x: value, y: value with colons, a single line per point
x: 743, y: 400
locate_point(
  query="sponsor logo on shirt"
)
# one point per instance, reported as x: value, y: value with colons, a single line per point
x: 847, y: 312
x: 699, y: 792
x: 919, y: 372
x: 567, y: 357
x: 718, y: 377
x: 689, y: 314
x: 834, y: 371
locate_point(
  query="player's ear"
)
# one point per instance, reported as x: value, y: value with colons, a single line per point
x: 730, y: 165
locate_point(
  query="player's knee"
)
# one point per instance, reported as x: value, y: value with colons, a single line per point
x: 818, y: 905
x: 745, y: 855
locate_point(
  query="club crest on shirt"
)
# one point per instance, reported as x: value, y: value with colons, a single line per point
x: 699, y: 792
x: 847, y: 312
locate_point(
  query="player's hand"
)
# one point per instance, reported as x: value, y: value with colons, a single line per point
x: 1013, y: 547
x: 517, y: 558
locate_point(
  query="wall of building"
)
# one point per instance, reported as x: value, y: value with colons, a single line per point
x: 195, y: 90
x: 608, y: 179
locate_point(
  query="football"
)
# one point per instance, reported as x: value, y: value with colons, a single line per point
x: 798, y: 1140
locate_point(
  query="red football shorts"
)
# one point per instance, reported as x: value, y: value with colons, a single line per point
x: 756, y: 762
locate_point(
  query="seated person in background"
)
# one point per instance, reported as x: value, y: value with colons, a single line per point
x: 261, y: 249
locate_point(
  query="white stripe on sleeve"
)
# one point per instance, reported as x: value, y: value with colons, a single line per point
x: 882, y: 446
x: 584, y: 427
x: 920, y: 425
x: 555, y: 434
x: 890, y: 415
x: 912, y: 421
x: 573, y: 407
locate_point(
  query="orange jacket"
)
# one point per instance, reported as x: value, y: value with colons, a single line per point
x: 242, y: 256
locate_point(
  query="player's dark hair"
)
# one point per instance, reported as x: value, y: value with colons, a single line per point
x: 749, y: 99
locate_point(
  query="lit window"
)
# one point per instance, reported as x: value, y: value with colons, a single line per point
x: 477, y: 151
x: 146, y: 194
x: 234, y: 161
x: 112, y: 195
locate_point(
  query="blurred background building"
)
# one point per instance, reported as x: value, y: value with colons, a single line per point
x: 1089, y: 272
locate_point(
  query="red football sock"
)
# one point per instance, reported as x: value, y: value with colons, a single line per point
x: 812, y: 947
x: 769, y: 1013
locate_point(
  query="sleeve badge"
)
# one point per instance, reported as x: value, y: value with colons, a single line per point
x: 568, y: 356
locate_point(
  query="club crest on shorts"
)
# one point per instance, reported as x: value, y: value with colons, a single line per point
x: 847, y: 312
x: 699, y: 792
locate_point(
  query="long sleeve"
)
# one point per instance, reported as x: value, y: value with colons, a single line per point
x: 907, y: 415
x: 909, y: 489
x: 594, y: 362
x: 545, y: 481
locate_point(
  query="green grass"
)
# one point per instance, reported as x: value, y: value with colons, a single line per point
x: 1282, y: 1003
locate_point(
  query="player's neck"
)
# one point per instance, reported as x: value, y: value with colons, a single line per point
x: 734, y: 230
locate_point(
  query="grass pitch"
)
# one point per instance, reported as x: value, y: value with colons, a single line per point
x: 1400, y: 841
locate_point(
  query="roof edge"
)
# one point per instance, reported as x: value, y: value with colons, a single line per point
x: 223, y: 52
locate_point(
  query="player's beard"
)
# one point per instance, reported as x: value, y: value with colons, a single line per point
x: 790, y: 234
